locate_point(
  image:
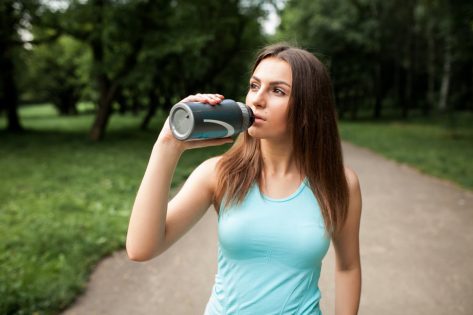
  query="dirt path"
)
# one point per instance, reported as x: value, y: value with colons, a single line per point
x: 416, y: 245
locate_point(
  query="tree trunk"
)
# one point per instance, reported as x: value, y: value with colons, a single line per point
x: 152, y: 107
x: 66, y: 101
x: 97, y: 131
x: 410, y: 67
x: 136, y: 104
x: 10, y: 93
x: 107, y: 95
x: 406, y: 70
x: 7, y: 70
x: 353, y: 100
x: 108, y: 87
x: 379, y: 93
x: 339, y: 105
x: 430, y: 68
x: 447, y: 65
x: 122, y: 102
x: 402, y: 92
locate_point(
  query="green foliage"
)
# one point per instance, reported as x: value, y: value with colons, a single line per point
x: 436, y: 146
x: 202, y: 47
x: 58, y: 72
x: 65, y: 203
x: 413, y: 54
x: 139, y: 53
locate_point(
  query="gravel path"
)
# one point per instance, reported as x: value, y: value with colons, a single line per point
x: 416, y: 247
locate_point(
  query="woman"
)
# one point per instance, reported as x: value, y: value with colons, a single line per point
x: 281, y: 192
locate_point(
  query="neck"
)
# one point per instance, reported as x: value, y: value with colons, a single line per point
x: 278, y: 159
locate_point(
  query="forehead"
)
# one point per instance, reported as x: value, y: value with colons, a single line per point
x: 273, y: 69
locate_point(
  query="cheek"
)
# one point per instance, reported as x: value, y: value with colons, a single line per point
x: 248, y: 98
x: 280, y: 119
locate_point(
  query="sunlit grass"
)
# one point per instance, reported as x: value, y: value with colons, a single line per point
x: 441, y: 146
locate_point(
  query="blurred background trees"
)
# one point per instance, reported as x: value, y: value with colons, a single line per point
x: 123, y: 55
x: 385, y: 57
x: 405, y: 55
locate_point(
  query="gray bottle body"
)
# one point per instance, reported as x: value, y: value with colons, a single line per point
x: 194, y: 120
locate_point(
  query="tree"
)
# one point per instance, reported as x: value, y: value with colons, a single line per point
x: 168, y: 48
x: 56, y: 72
x: 410, y: 54
x: 115, y: 41
x: 15, y: 17
x: 341, y: 35
x: 201, y: 54
x: 142, y: 52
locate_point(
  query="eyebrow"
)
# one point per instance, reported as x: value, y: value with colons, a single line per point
x: 272, y: 82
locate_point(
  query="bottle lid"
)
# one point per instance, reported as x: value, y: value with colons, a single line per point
x: 181, y: 120
x: 248, y: 116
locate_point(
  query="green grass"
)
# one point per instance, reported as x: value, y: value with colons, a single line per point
x: 65, y: 202
x: 441, y: 146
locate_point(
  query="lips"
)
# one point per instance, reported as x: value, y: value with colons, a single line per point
x: 259, y: 117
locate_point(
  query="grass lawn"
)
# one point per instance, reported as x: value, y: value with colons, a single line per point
x: 65, y: 202
x: 440, y: 146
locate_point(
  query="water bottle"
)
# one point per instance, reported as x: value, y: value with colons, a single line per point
x: 198, y: 121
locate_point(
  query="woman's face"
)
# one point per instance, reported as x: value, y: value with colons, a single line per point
x: 268, y: 97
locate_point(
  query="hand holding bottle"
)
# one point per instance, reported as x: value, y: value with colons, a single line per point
x: 167, y: 138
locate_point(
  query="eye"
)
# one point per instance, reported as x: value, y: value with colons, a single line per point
x: 279, y: 91
x: 253, y: 86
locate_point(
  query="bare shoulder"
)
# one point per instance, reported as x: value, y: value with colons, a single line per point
x: 206, y: 172
x: 209, y: 166
x: 354, y: 207
x: 211, y: 163
x: 352, y: 179
x: 199, y: 188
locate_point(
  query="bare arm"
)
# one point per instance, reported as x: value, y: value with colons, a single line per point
x: 154, y: 223
x: 347, y: 250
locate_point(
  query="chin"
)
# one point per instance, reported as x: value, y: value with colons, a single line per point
x: 257, y: 133
x: 254, y: 133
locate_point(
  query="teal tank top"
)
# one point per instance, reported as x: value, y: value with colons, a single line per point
x: 269, y: 255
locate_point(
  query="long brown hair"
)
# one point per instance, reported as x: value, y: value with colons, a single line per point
x: 316, y: 141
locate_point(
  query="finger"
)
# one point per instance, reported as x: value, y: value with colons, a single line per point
x: 195, y: 98
x: 209, y: 98
x: 214, y: 99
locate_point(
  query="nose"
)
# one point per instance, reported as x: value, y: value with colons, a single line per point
x: 258, y: 99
